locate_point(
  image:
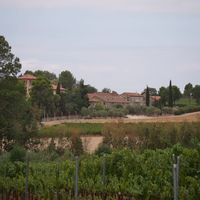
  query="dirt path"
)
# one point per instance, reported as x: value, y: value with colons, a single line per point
x: 91, y: 143
x: 190, y: 117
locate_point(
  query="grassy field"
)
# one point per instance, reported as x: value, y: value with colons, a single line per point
x: 67, y: 129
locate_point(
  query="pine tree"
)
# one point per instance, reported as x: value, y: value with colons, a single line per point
x: 170, y: 103
x: 147, y: 97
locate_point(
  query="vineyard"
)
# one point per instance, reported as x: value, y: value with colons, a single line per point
x: 122, y: 174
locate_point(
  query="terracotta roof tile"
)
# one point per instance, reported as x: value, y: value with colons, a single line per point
x: 106, y: 97
x: 131, y: 94
x: 155, y: 98
x: 27, y: 77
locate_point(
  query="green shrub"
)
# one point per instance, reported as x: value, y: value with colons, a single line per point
x: 136, y: 110
x: 167, y: 110
x: 103, y: 149
x: 76, y: 145
x: 18, y: 153
x: 152, y: 111
x: 102, y: 111
x: 187, y: 109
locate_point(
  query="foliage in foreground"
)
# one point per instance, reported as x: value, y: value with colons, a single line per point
x: 146, y: 175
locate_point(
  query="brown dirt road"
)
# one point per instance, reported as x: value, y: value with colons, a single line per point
x: 190, y: 117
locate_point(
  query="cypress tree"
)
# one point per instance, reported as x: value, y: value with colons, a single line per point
x: 147, y: 97
x: 170, y: 103
x: 58, y: 88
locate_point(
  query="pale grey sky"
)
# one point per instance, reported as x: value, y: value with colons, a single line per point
x: 121, y: 44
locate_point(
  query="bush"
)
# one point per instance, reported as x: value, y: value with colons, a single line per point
x: 136, y: 110
x: 100, y: 111
x: 76, y: 146
x: 153, y: 111
x: 167, y: 110
x: 18, y: 153
x: 187, y: 109
x: 103, y: 149
x: 84, y: 111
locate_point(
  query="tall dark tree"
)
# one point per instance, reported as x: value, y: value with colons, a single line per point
x: 67, y: 79
x: 152, y: 91
x: 9, y: 64
x: 42, y: 95
x: 17, y: 117
x: 196, y: 93
x: 188, y: 90
x: 163, y: 93
x: 170, y: 102
x: 176, y: 93
x: 58, y: 88
x: 147, y: 96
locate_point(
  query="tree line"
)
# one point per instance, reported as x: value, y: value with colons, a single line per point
x: 62, y: 103
x: 19, y: 115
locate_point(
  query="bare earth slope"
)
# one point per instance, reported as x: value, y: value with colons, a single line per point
x: 190, y: 117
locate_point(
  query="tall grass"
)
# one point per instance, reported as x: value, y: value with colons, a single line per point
x: 67, y: 129
x: 133, y: 135
x: 151, y: 135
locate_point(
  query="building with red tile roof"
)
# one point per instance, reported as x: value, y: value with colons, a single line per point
x: 134, y: 98
x: 155, y: 98
x: 107, y: 99
x: 28, y: 79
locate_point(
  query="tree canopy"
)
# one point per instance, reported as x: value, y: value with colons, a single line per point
x: 176, y: 93
x: 42, y: 94
x: 188, y: 90
x: 152, y: 91
x: 17, y: 117
x: 163, y: 92
x: 106, y: 90
x: 46, y: 74
x: 67, y: 79
x: 196, y: 93
x: 9, y: 64
x: 169, y: 95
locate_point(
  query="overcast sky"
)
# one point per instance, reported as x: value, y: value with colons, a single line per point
x: 120, y: 44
